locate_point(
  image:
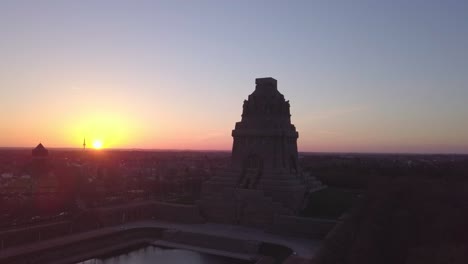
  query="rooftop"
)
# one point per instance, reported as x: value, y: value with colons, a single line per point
x: 40, y: 150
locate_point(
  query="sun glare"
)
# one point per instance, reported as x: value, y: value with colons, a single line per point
x: 97, y: 144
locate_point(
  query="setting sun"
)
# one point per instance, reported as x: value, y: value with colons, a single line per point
x: 97, y: 144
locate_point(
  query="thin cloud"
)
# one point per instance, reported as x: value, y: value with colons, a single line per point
x: 328, y: 132
x: 338, y: 112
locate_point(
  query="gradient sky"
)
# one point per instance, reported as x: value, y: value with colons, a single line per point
x: 361, y: 76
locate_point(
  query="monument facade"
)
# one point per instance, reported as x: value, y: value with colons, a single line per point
x: 264, y: 178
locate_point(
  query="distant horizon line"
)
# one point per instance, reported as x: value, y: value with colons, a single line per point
x: 220, y: 150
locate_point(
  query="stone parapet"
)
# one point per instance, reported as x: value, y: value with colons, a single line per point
x: 212, y: 242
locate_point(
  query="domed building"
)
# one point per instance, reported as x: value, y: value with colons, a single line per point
x: 40, y: 161
x: 40, y: 151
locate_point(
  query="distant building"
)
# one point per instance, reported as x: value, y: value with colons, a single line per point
x: 40, y: 151
x: 40, y: 161
x: 44, y: 180
x: 264, y: 178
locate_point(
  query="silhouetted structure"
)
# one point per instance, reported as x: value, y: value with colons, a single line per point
x: 40, y: 151
x: 264, y: 178
x: 265, y: 139
x: 40, y: 164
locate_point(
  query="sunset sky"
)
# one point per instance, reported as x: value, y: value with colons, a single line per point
x: 361, y: 76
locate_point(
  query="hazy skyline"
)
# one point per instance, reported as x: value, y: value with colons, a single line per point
x: 361, y: 76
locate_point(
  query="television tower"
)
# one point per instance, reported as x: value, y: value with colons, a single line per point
x: 84, y: 143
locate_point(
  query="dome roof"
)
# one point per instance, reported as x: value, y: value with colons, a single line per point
x: 40, y: 151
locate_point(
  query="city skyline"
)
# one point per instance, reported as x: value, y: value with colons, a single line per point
x: 361, y: 77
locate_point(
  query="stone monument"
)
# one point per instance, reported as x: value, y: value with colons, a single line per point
x: 264, y: 178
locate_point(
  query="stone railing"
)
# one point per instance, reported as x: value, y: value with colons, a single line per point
x: 213, y: 242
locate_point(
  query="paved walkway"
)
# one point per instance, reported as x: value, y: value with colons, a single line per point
x: 302, y: 247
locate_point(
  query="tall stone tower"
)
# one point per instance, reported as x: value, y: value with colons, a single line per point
x: 264, y: 140
x: 264, y: 178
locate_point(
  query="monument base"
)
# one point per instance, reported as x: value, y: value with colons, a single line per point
x: 277, y: 193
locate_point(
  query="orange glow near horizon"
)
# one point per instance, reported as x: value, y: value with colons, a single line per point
x: 97, y: 144
x: 105, y: 130
x: 116, y: 73
x: 118, y: 122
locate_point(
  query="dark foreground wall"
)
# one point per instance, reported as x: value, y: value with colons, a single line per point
x: 20, y: 236
x: 87, y: 232
x: 212, y: 241
x: 302, y: 226
x: 78, y: 247
x: 189, y: 214
x: 98, y: 218
x: 178, y: 213
x: 111, y: 241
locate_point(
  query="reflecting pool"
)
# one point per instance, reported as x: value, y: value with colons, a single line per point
x: 152, y: 254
